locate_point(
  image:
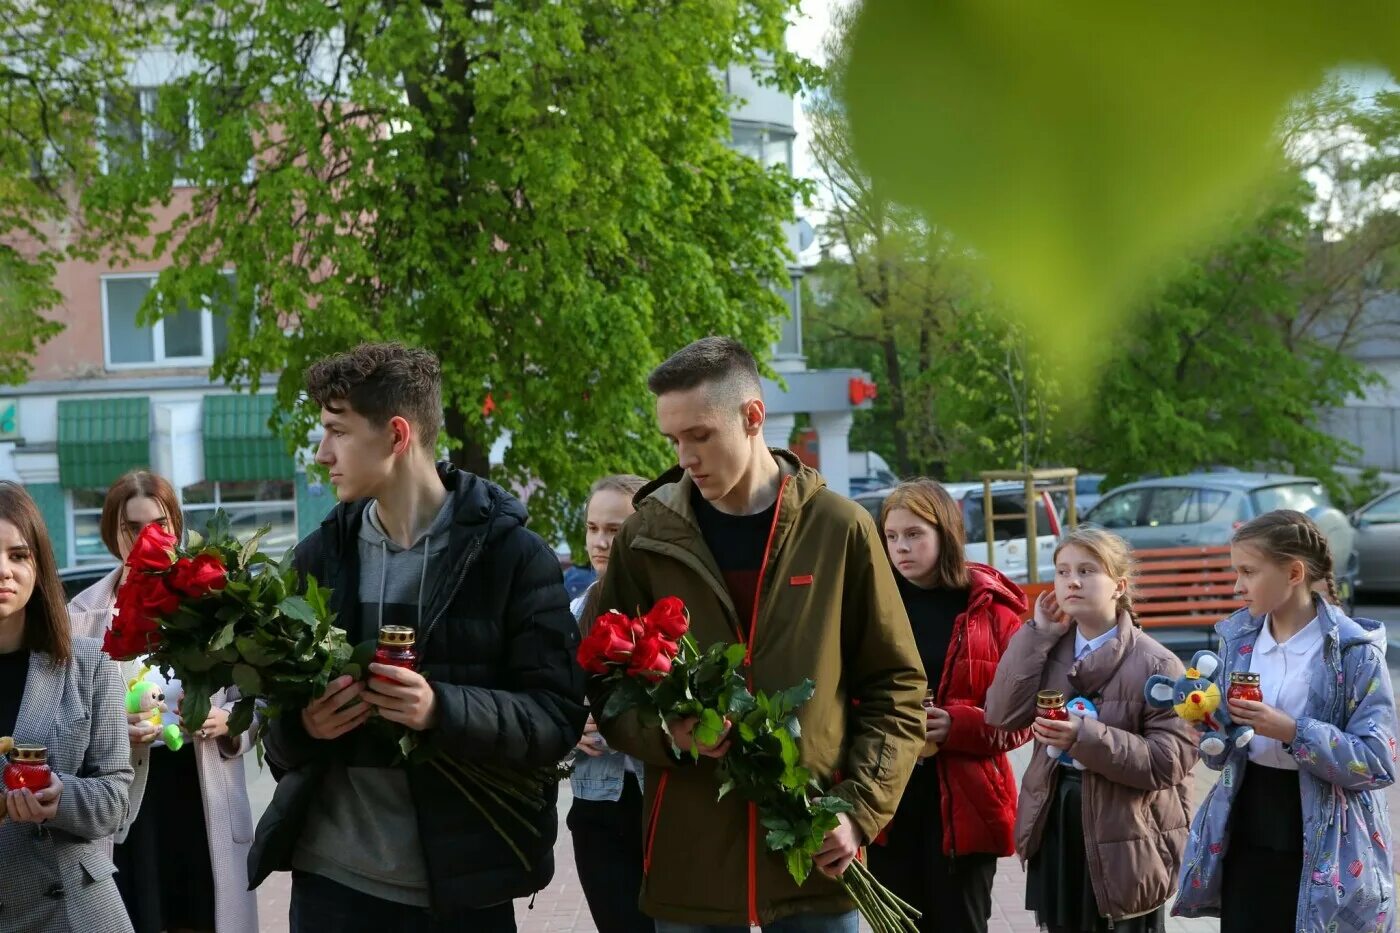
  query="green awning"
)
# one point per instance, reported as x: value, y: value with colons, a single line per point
x: 99, y: 439
x: 238, y: 444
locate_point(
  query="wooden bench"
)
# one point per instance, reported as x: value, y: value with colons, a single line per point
x: 1181, y: 593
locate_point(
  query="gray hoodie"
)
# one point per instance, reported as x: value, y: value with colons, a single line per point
x: 362, y: 830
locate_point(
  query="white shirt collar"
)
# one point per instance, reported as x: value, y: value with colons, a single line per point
x: 1083, y: 646
x: 1302, y: 642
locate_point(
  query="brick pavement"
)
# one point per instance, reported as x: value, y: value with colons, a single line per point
x: 560, y: 908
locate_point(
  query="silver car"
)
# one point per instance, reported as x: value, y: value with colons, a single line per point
x: 1204, y: 509
x: 1377, y: 526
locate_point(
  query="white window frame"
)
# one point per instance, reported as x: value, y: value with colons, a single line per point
x: 194, y: 520
x: 159, y: 360
x: 73, y: 512
x: 147, y: 97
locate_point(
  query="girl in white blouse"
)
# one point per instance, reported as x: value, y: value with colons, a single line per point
x: 1301, y: 807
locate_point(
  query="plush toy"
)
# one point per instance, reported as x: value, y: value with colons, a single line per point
x: 1198, y: 699
x: 142, y: 696
x: 1084, y: 708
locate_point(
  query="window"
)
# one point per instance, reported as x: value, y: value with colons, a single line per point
x: 85, y: 543
x: 144, y: 120
x: 250, y: 506
x: 1171, y: 505
x: 790, y: 337
x: 188, y: 337
x: 766, y: 145
x: 1011, y: 529
x: 1384, y: 512
x: 1119, y: 510
x: 1302, y: 497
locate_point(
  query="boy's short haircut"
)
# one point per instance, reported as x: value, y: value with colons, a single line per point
x: 380, y: 381
x: 721, y: 363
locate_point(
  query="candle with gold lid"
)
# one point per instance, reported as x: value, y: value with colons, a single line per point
x: 396, y: 648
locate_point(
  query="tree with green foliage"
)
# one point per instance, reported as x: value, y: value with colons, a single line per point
x: 1215, y: 369
x: 1230, y: 361
x: 57, y: 59
x: 540, y: 193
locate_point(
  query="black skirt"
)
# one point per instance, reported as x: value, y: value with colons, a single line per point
x: 163, y: 869
x: 1266, y: 847
x: 1058, y: 889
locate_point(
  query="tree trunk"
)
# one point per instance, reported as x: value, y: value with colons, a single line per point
x: 898, y: 407
x: 467, y: 452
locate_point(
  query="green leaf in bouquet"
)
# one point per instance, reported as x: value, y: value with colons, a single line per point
x: 242, y: 716
x: 298, y: 608
x: 223, y: 639
x: 780, y: 839
x: 287, y: 564
x: 217, y: 528
x: 194, y: 541
x: 248, y: 680
x: 250, y: 547
x: 408, y: 742
x: 791, y: 754
x: 191, y: 659
x: 741, y: 703
x: 625, y: 696
x: 194, y: 708
x: 746, y: 732
x: 255, y: 653
x: 799, y: 864
x: 795, y: 778
x: 793, y: 697
x: 735, y: 654
x: 229, y: 613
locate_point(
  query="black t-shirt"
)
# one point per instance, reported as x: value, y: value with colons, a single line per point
x: 932, y: 614
x: 738, y: 543
x: 14, y: 671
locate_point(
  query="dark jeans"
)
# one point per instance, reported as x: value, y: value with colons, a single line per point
x: 607, y: 838
x: 320, y: 905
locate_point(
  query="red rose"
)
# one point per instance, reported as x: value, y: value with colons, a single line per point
x: 154, y: 549
x: 151, y: 596
x: 196, y: 577
x: 609, y: 641
x: 668, y: 619
x: 652, y: 657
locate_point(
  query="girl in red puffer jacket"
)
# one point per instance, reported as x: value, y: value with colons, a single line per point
x: 958, y: 810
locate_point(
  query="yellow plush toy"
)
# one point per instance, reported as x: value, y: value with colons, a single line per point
x: 142, y: 696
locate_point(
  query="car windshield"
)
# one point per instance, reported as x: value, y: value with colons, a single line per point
x: 1303, y: 497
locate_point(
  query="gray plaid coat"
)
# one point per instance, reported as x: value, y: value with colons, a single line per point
x: 228, y: 817
x: 56, y: 877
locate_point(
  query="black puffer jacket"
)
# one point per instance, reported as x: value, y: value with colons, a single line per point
x: 498, y: 647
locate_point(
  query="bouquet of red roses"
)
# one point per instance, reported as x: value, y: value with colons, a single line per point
x: 218, y: 613
x: 653, y: 665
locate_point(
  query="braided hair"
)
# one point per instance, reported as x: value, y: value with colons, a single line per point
x: 1284, y: 535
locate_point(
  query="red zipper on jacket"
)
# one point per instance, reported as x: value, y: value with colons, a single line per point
x: 945, y: 802
x: 748, y: 677
x: 655, y: 816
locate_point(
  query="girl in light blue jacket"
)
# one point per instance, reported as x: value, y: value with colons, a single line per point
x: 1301, y: 805
x: 605, y: 819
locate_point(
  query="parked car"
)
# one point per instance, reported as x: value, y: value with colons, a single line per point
x: 1088, y: 490
x: 1204, y: 509
x: 77, y: 579
x: 1010, y: 534
x: 1377, y: 526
